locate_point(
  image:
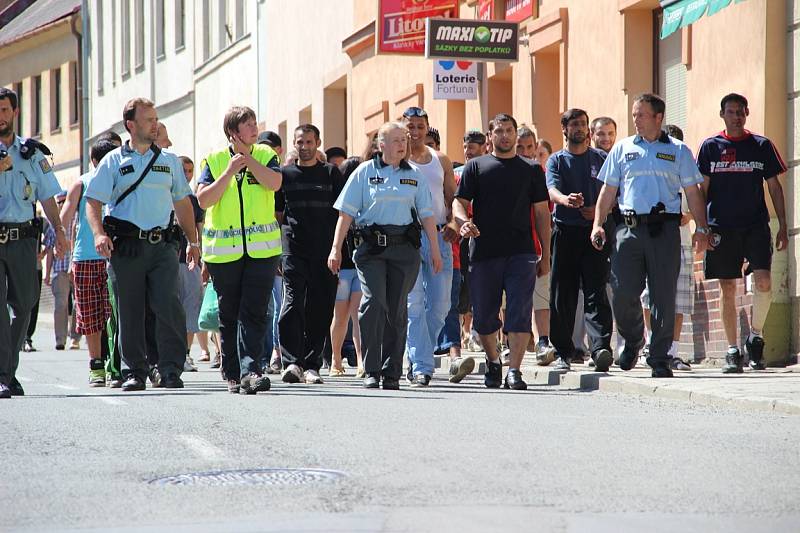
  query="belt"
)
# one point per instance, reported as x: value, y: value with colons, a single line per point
x: 153, y: 236
x: 14, y: 231
x: 632, y: 220
x: 376, y: 237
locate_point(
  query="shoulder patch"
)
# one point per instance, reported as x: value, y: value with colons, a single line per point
x: 162, y: 168
x: 127, y: 169
x: 665, y: 157
x: 45, y: 165
x: 408, y: 181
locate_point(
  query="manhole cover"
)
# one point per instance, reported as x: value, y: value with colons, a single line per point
x: 262, y: 476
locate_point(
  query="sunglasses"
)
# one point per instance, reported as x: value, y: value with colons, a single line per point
x: 414, y: 112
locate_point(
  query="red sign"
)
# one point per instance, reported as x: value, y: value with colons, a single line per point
x: 486, y: 10
x: 401, y: 23
x: 517, y: 10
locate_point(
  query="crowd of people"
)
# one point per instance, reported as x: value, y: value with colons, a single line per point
x: 399, y: 254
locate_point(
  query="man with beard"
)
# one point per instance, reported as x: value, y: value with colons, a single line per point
x: 573, y: 187
x: 25, y: 178
x: 304, y: 206
x: 604, y: 133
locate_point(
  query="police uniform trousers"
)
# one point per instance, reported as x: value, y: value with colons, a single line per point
x: 309, y: 293
x: 386, y: 279
x: 18, y: 290
x: 575, y: 264
x: 639, y: 255
x: 149, y: 275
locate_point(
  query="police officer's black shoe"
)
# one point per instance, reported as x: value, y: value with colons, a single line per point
x: 493, y: 378
x: 253, y: 383
x: 733, y: 362
x: 155, y: 377
x: 372, y: 381
x: 514, y: 380
x: 16, y: 388
x: 602, y: 360
x: 562, y: 363
x: 627, y: 360
x: 172, y: 381
x: 133, y: 384
x: 661, y: 371
x: 755, y: 352
x: 391, y: 383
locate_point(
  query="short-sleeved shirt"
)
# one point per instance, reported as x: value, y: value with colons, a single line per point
x: 377, y: 193
x: 199, y: 218
x: 306, y: 199
x: 650, y: 172
x: 27, y: 182
x: 501, y: 191
x: 737, y: 168
x: 570, y: 173
x: 151, y: 203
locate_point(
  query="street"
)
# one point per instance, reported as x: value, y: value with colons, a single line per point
x: 449, y: 458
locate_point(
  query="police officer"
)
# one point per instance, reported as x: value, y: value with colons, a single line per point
x: 141, y: 184
x: 648, y: 170
x: 25, y: 178
x: 384, y: 196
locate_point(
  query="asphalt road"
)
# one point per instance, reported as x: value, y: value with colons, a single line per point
x: 449, y: 458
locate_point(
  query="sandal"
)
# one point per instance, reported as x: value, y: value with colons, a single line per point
x: 204, y: 357
x: 360, y: 373
x: 336, y: 372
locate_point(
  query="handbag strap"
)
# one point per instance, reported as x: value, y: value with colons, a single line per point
x: 156, y: 152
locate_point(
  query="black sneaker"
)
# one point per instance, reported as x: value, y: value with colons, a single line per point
x: 253, y: 383
x: 578, y: 357
x: 420, y: 381
x: 372, y: 381
x: 16, y: 388
x: 562, y: 363
x: 514, y: 380
x: 493, y: 378
x: 627, y: 360
x: 172, y: 381
x: 133, y: 383
x: 661, y: 371
x: 755, y: 352
x: 461, y: 368
x: 391, y: 383
x: 733, y: 362
x: 602, y: 360
x: 155, y: 378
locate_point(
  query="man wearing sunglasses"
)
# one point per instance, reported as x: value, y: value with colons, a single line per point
x: 429, y: 300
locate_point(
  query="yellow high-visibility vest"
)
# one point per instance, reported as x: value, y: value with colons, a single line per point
x: 243, y: 220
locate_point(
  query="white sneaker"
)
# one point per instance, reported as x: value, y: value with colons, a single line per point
x: 312, y: 377
x: 188, y: 365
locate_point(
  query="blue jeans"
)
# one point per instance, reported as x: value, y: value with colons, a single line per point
x: 451, y: 331
x: 428, y: 305
x: 273, y: 313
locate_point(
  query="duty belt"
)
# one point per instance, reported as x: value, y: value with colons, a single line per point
x: 632, y: 220
x: 14, y: 231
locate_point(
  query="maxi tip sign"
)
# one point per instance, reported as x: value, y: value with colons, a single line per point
x: 474, y: 40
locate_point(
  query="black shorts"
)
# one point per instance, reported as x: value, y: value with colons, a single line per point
x: 488, y: 279
x: 735, y: 245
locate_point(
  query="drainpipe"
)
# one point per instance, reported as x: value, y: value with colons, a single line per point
x: 83, y: 79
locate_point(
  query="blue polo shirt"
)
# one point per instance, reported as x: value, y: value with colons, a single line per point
x: 151, y: 203
x: 377, y: 193
x: 570, y: 173
x: 27, y: 182
x: 647, y: 173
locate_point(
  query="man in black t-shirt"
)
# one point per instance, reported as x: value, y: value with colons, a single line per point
x: 501, y: 188
x: 735, y: 164
x: 304, y: 206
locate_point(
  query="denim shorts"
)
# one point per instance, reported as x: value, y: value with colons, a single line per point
x: 348, y: 284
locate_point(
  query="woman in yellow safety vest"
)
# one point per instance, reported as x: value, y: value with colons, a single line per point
x: 241, y: 244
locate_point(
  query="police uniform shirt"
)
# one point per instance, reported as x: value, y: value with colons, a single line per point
x: 737, y: 168
x: 27, y: 182
x: 647, y: 173
x: 377, y: 193
x: 150, y: 204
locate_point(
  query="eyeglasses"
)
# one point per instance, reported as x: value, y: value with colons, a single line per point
x: 414, y: 112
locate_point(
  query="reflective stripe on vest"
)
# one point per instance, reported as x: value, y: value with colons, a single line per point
x: 224, y: 236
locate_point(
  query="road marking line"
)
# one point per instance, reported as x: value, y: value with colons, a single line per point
x: 202, y: 448
x: 110, y: 401
x: 66, y: 387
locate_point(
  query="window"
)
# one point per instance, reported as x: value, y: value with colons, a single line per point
x: 180, y: 24
x: 671, y: 77
x: 74, y: 96
x: 225, y: 36
x: 36, y: 108
x: 139, y: 23
x: 125, y: 25
x: 20, y: 101
x: 99, y: 45
x: 206, y: 29
x: 240, y: 20
x: 55, y: 99
x: 159, y: 28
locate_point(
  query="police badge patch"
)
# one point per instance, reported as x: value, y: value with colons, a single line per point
x: 44, y: 165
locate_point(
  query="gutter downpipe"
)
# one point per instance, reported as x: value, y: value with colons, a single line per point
x: 83, y: 76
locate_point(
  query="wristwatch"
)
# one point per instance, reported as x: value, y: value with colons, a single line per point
x: 702, y: 231
x: 194, y: 244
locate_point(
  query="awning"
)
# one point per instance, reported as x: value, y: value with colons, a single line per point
x: 681, y: 13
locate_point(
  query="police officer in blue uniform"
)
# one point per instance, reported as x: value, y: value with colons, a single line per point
x: 385, y: 197
x: 141, y: 184
x: 25, y: 178
x: 648, y: 170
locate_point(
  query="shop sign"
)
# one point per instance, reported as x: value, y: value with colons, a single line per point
x: 517, y: 10
x: 486, y: 10
x: 455, y: 80
x: 401, y: 23
x: 473, y: 40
